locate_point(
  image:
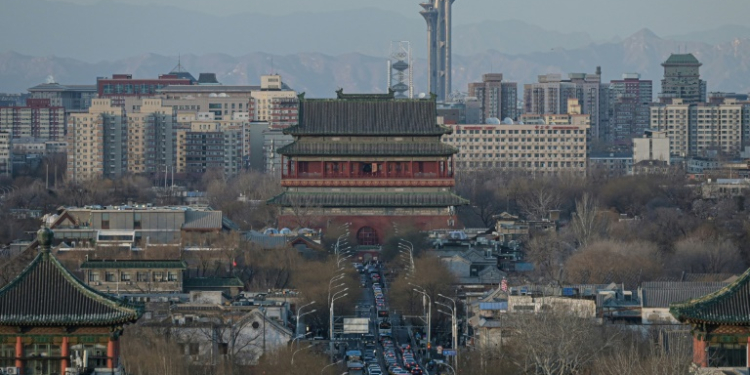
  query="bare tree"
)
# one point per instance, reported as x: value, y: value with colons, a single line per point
x: 585, y: 220
x: 539, y: 200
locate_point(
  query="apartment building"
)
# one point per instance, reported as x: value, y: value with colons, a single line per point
x: 550, y: 94
x: 6, y: 154
x: 654, y: 145
x: 151, y: 144
x: 629, y: 107
x: 532, y: 148
x: 497, y: 99
x: 38, y: 119
x: 274, y: 103
x: 97, y: 142
x: 702, y: 129
x: 74, y: 98
x: 207, y: 146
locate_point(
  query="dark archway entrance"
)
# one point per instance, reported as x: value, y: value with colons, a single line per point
x: 366, y: 236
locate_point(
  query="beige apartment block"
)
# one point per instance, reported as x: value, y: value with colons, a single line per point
x: 554, y: 148
x: 151, y: 137
x: 654, y: 145
x: 97, y: 142
x: 674, y: 120
x: 6, y: 153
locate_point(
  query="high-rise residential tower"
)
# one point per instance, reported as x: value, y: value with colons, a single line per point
x: 682, y: 80
x: 629, y: 107
x: 437, y: 13
x: 497, y: 98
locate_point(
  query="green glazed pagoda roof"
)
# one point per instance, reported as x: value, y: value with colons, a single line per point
x: 145, y: 264
x: 728, y: 305
x: 366, y: 199
x: 46, y: 294
x: 368, y: 114
x: 682, y: 58
x: 367, y: 149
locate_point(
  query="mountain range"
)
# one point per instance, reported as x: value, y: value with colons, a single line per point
x: 725, y: 66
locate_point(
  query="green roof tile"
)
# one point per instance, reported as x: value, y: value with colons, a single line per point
x: 366, y: 199
x: 146, y: 264
x: 729, y: 305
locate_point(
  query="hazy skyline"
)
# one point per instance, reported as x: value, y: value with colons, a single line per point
x: 603, y: 19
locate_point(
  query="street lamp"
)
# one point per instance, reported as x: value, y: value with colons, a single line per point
x: 449, y: 366
x: 429, y: 314
x: 299, y: 314
x: 299, y: 350
x: 332, y: 364
x: 300, y: 337
x: 330, y: 323
x: 454, y: 323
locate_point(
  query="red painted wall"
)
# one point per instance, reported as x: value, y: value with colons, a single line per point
x: 383, y: 225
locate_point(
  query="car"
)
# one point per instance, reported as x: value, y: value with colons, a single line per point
x: 417, y: 371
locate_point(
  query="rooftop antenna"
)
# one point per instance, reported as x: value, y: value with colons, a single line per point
x: 178, y: 68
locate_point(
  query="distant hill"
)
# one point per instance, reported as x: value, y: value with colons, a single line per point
x: 726, y: 66
x: 108, y: 30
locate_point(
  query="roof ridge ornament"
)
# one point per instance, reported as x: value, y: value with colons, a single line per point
x: 44, y: 238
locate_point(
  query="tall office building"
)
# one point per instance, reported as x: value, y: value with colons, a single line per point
x: 550, y: 96
x: 629, y: 107
x: 497, y: 98
x: 97, y: 142
x: 437, y: 13
x: 682, y: 80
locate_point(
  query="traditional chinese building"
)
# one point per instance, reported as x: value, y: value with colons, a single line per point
x: 370, y: 160
x: 48, y: 316
x: 720, y: 324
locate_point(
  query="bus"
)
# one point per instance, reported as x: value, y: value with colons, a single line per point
x: 385, y: 328
x: 382, y: 314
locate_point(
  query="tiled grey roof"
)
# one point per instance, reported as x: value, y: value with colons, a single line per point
x: 442, y: 199
x: 682, y: 284
x: 664, y: 297
x: 46, y: 294
x: 367, y: 117
x: 265, y: 241
x: 728, y: 305
x: 202, y: 220
x: 368, y: 149
x: 124, y: 264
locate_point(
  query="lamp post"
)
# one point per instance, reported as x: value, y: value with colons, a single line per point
x: 454, y: 324
x: 330, y: 323
x: 449, y: 366
x: 300, y: 337
x: 429, y: 315
x: 299, y: 314
x: 327, y: 366
x: 299, y: 350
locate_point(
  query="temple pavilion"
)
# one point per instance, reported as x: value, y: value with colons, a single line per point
x: 48, y: 316
x: 720, y: 326
x: 370, y: 160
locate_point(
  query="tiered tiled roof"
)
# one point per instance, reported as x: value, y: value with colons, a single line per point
x: 143, y: 264
x: 367, y: 149
x: 367, y: 199
x: 729, y: 305
x: 46, y: 294
x: 367, y: 115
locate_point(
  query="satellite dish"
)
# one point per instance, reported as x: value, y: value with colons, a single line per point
x: 422, y: 95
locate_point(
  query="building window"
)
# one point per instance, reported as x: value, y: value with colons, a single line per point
x: 7, y: 355
x: 158, y: 276
x: 142, y: 276
x: 727, y: 355
x: 93, y: 276
x: 171, y: 276
x: 367, y: 236
x: 105, y: 221
x: 137, y: 220
x: 109, y: 276
x: 125, y: 276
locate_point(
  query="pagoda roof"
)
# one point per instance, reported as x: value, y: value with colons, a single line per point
x: 682, y: 58
x: 729, y: 305
x: 143, y: 264
x: 46, y: 294
x: 367, y: 114
x: 368, y: 199
x: 367, y: 149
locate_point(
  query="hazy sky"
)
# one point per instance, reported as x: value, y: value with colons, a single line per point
x: 600, y: 18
